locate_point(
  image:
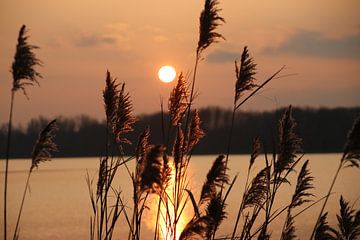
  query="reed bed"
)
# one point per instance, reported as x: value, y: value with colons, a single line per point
x: 161, y: 170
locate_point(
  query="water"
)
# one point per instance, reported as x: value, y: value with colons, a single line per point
x: 58, y: 206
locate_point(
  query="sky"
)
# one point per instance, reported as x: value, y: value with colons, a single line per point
x: 317, y: 41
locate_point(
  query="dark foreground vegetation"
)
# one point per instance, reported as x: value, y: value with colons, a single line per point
x: 323, y: 130
x: 164, y: 149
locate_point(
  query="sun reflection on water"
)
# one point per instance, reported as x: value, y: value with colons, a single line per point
x: 165, y: 232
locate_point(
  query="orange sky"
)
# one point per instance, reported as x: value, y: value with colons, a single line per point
x: 80, y: 40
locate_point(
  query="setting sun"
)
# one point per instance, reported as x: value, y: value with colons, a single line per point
x: 167, y: 74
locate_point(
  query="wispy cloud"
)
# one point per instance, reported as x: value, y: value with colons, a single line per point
x: 307, y: 43
x: 220, y: 56
x: 90, y: 40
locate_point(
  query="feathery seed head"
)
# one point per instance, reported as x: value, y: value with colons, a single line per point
x: 352, y: 146
x: 178, y: 101
x: 110, y: 96
x: 157, y: 172
x: 195, y: 132
x: 124, y: 118
x: 245, y: 72
x: 303, y: 185
x: 209, y: 21
x: 290, y: 143
x: 216, y: 177
x: 25, y: 61
x: 44, y: 145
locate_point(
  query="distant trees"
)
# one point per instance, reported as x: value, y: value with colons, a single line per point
x: 322, y: 130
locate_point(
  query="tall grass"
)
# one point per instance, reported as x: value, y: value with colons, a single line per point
x: 161, y: 170
x: 24, y: 74
x: 41, y: 153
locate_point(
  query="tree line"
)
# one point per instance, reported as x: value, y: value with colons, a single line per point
x: 323, y: 130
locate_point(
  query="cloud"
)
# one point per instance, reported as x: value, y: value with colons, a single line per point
x: 220, y: 56
x: 90, y: 40
x: 306, y: 43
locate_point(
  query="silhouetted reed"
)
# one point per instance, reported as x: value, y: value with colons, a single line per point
x: 24, y: 74
x: 41, y: 153
x: 348, y: 224
x: 350, y: 158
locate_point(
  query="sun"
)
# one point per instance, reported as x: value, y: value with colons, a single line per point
x: 167, y: 74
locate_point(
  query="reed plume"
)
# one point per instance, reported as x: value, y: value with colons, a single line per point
x: 44, y: 145
x: 110, y: 97
x: 303, y: 185
x: 215, y: 213
x: 255, y: 152
x: 258, y: 191
x: 323, y: 230
x: 124, y: 118
x: 157, y: 172
x: 348, y: 222
x: 102, y: 178
x: 178, y: 101
x: 41, y: 153
x: 23, y: 73
x: 25, y: 61
x: 245, y: 72
x: 289, y: 229
x: 300, y: 196
x: 142, y: 150
x: 195, y: 132
x: 350, y: 158
x: 209, y: 21
x: 289, y: 145
x: 205, y: 225
x: 216, y: 177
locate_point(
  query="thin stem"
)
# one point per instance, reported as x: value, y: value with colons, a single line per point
x: 327, y: 198
x: 260, y: 87
x: 7, y: 162
x: 21, y: 206
x: 241, y: 208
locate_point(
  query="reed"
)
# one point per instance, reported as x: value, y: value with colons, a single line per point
x: 349, y: 159
x: 41, y: 153
x: 24, y: 74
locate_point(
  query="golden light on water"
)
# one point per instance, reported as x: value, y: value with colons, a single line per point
x: 167, y: 74
x: 164, y: 232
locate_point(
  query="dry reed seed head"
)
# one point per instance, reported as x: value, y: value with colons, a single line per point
x: 178, y: 151
x: 209, y: 21
x: 196, y: 226
x: 157, y: 172
x: 110, y: 96
x: 245, y: 72
x: 258, y: 191
x: 303, y: 185
x: 216, y: 177
x: 256, y: 151
x: 124, y: 118
x: 323, y: 230
x: 195, y: 132
x: 289, y: 230
x: 178, y: 100
x: 143, y: 144
x: 290, y: 143
x: 25, y: 61
x: 348, y: 221
x: 102, y: 177
x: 215, y: 212
x: 44, y: 145
x: 352, y: 146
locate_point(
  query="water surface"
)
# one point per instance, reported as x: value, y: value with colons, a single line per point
x: 58, y: 206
